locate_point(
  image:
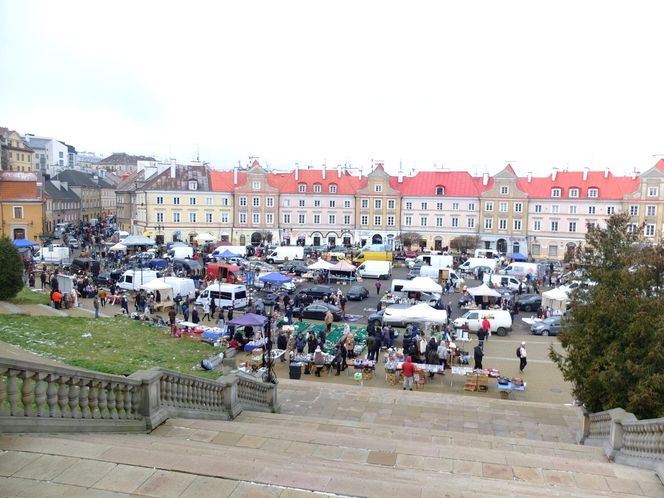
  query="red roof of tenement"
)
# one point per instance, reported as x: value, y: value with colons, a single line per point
x: 609, y: 187
x: 424, y: 183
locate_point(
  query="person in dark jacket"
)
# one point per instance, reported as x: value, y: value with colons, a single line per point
x: 194, y: 316
x: 312, y: 343
x: 371, y: 347
x: 479, y: 354
x: 282, y: 343
x: 300, y: 342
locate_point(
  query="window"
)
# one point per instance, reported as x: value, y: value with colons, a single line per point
x: 470, y: 222
x: 535, y: 249
x: 160, y: 199
x: 316, y: 203
x: 364, y: 220
x: 391, y: 204
x: 243, y: 218
x: 301, y: 219
x: 176, y: 200
x: 574, y: 192
x: 572, y: 210
x: 256, y: 201
x: 423, y: 221
x: 347, y: 204
x: 332, y: 219
x: 439, y: 221
x: 424, y: 206
x: 634, y: 210
x: 346, y: 219
x: 243, y: 201
x: 317, y: 219
x: 537, y: 225
x: 554, y: 226
x: 390, y: 221
x: 408, y: 221
x: 286, y: 218
x: 224, y: 201
x: 224, y: 217
x: 378, y: 187
x: 160, y: 217
x: 502, y: 207
x: 332, y: 188
x: 176, y: 217
x: 286, y: 202
x: 651, y: 210
x: 488, y: 206
x: 650, y: 230
x: 269, y: 202
x: 592, y: 192
x: 300, y: 203
x: 378, y: 220
x: 333, y: 203
x: 504, y: 190
x: 256, y: 218
x: 18, y: 212
x: 318, y: 188
x: 555, y: 208
x: 364, y: 203
x: 555, y: 192
x: 471, y: 206
x: 192, y: 201
x: 192, y: 217
x: 193, y: 185
x: 652, y: 191
x: 208, y: 217
x: 592, y: 209
x: 488, y: 223
x: 302, y: 187
x: 455, y: 221
x: 378, y: 204
x: 538, y: 208
x: 439, y: 206
x: 610, y: 210
x: 440, y: 190
x: 553, y: 251
x: 572, y: 226
x: 269, y: 218
x: 255, y: 185
x: 631, y: 228
x: 517, y: 225
x: 409, y: 205
x: 502, y: 224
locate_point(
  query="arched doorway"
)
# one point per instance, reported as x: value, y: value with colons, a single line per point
x: 19, y: 233
x: 516, y: 247
x: 316, y: 238
x: 501, y: 246
x: 570, y: 250
x: 438, y: 243
x: 243, y: 240
x: 377, y: 239
x: 256, y: 238
x: 347, y: 239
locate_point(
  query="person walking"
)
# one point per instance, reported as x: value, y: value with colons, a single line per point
x: 206, y: 310
x: 194, y: 315
x: 479, y: 354
x: 481, y: 336
x: 231, y: 310
x: 95, y: 303
x: 213, y: 308
x: 329, y: 319
x: 378, y: 285
x: 319, y: 361
x: 42, y: 278
x: 371, y: 347
x: 522, y: 354
x: 185, y: 311
x: 408, y: 373
x: 124, y: 304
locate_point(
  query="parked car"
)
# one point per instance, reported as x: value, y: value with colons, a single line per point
x: 296, y: 267
x: 73, y: 243
x: 377, y: 317
x: 104, y: 279
x: 317, y: 311
x: 357, y: 293
x: 548, y: 326
x: 267, y: 298
x: 319, y: 291
x: 530, y: 302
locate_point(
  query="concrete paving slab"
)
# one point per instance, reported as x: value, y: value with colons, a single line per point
x: 209, y: 487
x: 124, y: 479
x: 382, y: 458
x: 85, y: 473
x: 46, y: 467
x: 12, y: 461
x: 164, y: 484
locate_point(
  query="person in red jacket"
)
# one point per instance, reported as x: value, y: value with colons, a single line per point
x: 408, y: 373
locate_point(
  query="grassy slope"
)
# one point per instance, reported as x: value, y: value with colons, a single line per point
x: 113, y: 345
x: 27, y: 296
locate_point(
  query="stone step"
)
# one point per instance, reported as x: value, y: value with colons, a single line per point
x: 539, y: 421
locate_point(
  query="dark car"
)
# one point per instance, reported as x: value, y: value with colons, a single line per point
x: 530, y: 302
x: 377, y: 317
x: 267, y: 298
x: 357, y: 293
x: 319, y: 291
x: 104, y: 278
x: 548, y: 326
x: 297, y: 267
x: 85, y: 264
x: 317, y: 311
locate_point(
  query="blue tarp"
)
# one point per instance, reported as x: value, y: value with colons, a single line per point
x: 275, y: 278
x: 228, y: 254
x: 517, y: 256
x: 24, y: 243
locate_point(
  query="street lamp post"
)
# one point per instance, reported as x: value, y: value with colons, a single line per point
x: 269, y: 375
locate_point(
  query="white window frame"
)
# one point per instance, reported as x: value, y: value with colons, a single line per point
x: 193, y: 185
x: 160, y: 199
x: 556, y: 192
x: 255, y: 185
x: 269, y: 218
x: 318, y: 188
x: 470, y: 222
x: 243, y: 218
x: 488, y: 206
x: 555, y: 226
x: 302, y: 187
x: 537, y: 225
x: 378, y: 204
x: 593, y: 193
x: 332, y: 219
x: 287, y: 218
x: 364, y: 204
x: 572, y: 227
x: 269, y: 202
x: 209, y: 217
x: 378, y: 187
x: 408, y: 221
x: 364, y: 220
x: 391, y: 204
x: 502, y: 207
x: 193, y: 217
x: 378, y: 220
x: 424, y: 221
x: 332, y: 189
x: 502, y: 224
x: 243, y: 201
x: 256, y: 201
x: 488, y: 223
x: 653, y: 191
x: 176, y: 217
x: 504, y: 190
x: 391, y: 221
x: 516, y: 225
x: 651, y: 210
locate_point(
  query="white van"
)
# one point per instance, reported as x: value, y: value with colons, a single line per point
x: 133, y: 279
x: 375, y: 269
x: 280, y: 254
x: 506, y: 281
x: 500, y: 321
x: 183, y: 286
x: 470, y: 264
x: 520, y: 269
x: 224, y: 295
x: 181, y: 252
x: 442, y: 274
x: 434, y: 260
x: 55, y: 254
x: 486, y: 253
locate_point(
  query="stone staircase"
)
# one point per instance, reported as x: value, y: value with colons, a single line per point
x: 333, y: 439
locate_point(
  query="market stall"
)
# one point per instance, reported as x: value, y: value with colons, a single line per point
x: 343, y: 271
x: 556, y: 299
x: 422, y: 284
x: 165, y: 293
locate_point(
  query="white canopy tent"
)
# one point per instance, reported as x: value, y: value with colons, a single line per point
x: 483, y: 290
x: 204, y: 237
x: 422, y: 284
x: 556, y: 299
x: 321, y: 264
x: 138, y: 240
x: 118, y: 247
x: 165, y: 290
x: 421, y: 313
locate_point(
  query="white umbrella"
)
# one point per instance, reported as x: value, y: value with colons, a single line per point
x: 321, y: 264
x: 118, y: 247
x: 204, y: 237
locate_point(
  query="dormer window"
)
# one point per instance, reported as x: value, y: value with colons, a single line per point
x: 332, y: 188
x: 593, y: 192
x: 440, y: 190
x: 556, y: 192
x: 574, y: 192
x: 193, y: 185
x: 302, y: 187
x: 378, y: 188
x: 317, y: 188
x: 255, y: 185
x: 504, y: 190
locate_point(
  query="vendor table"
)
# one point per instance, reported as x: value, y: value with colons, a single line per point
x: 462, y: 371
x: 509, y: 388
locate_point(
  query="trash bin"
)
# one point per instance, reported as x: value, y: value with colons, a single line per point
x: 295, y: 370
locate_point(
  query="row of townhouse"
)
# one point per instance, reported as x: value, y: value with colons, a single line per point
x: 543, y: 217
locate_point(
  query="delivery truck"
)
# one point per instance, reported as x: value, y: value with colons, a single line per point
x: 372, y: 256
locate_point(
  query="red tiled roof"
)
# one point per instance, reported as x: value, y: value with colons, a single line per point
x: 424, y: 183
x: 611, y: 187
x: 222, y: 181
x: 660, y: 165
x: 287, y: 184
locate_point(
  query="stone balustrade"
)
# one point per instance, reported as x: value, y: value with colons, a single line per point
x: 37, y: 397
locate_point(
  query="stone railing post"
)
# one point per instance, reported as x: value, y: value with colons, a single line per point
x: 150, y: 402
x: 585, y: 427
x: 615, y: 442
x: 231, y: 402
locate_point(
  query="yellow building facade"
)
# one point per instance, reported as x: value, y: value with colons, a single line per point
x: 21, y: 207
x: 19, y: 154
x: 378, y: 210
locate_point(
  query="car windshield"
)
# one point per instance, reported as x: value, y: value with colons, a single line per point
x: 551, y: 321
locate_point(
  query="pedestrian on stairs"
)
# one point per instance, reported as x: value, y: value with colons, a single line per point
x: 522, y: 354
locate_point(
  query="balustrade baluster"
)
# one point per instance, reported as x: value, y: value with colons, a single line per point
x: 179, y: 393
x: 93, y: 397
x: 84, y: 398
x: 40, y: 393
x: 73, y: 397
x: 102, y: 399
x: 136, y: 400
x: 3, y: 391
x: 12, y: 391
x: 163, y: 389
x: 127, y: 401
x: 112, y: 408
x: 120, y: 402
x: 63, y: 396
x: 26, y: 392
x: 52, y: 395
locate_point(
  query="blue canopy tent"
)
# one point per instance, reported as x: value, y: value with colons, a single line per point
x: 275, y: 278
x: 24, y: 243
x: 158, y: 264
x: 248, y: 320
x: 228, y: 254
x: 517, y: 256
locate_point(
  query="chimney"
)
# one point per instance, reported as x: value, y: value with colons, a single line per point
x: 47, y: 177
x: 554, y: 174
x: 324, y: 171
x: 530, y: 176
x: 606, y: 172
x: 400, y: 174
x: 634, y: 174
x: 297, y: 172
x: 172, y: 168
x: 485, y: 178
x: 339, y: 171
x: 585, y: 174
x: 235, y: 175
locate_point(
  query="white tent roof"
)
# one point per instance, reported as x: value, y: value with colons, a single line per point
x: 422, y: 284
x: 557, y: 294
x: 204, y: 237
x: 118, y: 247
x: 138, y: 240
x: 422, y: 313
x: 483, y: 290
x: 321, y: 264
x: 156, y: 284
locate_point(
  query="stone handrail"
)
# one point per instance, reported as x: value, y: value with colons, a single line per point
x: 625, y: 439
x: 39, y: 397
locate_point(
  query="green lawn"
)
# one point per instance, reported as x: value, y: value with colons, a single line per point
x: 28, y: 296
x: 119, y: 346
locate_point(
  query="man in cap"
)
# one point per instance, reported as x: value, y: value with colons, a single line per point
x: 522, y: 354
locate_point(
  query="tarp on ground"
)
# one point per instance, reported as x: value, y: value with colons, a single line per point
x: 422, y: 284
x: 483, y: 290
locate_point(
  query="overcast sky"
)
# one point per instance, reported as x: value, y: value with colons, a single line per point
x: 464, y: 85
